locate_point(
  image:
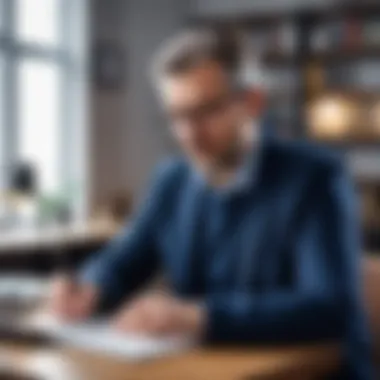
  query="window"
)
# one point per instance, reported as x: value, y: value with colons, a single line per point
x: 38, y: 21
x: 1, y: 13
x: 42, y: 102
x: 39, y: 121
x: 1, y: 121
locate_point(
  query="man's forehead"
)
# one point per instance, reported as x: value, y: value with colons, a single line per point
x: 202, y: 82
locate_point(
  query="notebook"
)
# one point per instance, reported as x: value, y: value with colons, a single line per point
x: 97, y: 336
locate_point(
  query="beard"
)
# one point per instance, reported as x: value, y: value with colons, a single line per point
x: 231, y: 157
x: 219, y: 169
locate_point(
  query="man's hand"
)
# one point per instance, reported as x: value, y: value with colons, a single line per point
x: 159, y: 314
x: 71, y: 301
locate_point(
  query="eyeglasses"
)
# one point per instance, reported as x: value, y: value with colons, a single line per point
x: 203, y: 112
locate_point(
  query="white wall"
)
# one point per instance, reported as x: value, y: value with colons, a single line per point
x: 146, y: 137
x: 129, y: 133
x: 108, y: 114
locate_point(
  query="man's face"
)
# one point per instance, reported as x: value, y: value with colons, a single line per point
x: 206, y: 115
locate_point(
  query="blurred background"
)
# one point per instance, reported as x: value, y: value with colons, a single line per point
x: 80, y: 127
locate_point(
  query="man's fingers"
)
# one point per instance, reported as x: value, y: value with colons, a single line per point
x: 153, y: 315
x: 71, y: 301
x: 131, y: 319
x: 68, y: 308
x: 142, y: 320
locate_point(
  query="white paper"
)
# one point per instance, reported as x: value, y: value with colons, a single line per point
x: 99, y: 337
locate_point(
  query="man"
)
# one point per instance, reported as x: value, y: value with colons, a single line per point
x: 257, y: 238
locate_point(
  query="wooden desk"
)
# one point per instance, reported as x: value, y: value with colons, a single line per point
x: 310, y: 362
x: 303, y: 363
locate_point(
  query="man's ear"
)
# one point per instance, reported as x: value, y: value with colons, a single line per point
x: 256, y: 101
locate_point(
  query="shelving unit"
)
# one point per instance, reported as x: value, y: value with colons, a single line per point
x: 345, y: 28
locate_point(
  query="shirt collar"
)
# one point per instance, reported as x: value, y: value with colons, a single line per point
x: 245, y: 175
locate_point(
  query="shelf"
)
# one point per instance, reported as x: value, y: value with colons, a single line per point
x: 262, y: 20
x: 348, y: 93
x: 358, y: 94
x: 361, y: 8
x: 347, y: 142
x: 334, y: 56
x: 339, y: 55
x: 358, y: 8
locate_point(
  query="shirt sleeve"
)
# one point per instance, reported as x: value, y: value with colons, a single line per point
x: 131, y: 258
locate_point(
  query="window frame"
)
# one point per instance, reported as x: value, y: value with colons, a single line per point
x: 71, y: 58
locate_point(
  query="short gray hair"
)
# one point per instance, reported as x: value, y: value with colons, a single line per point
x: 191, y: 48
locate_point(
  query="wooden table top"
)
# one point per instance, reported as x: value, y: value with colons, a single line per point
x: 306, y: 363
x: 56, y: 362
